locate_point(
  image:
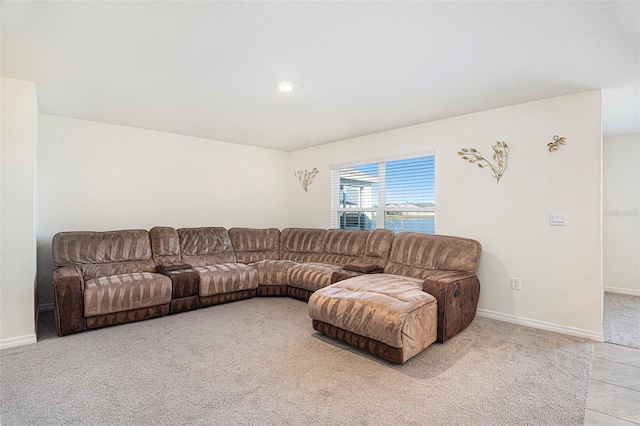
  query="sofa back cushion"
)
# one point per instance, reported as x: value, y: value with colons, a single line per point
x: 342, y: 246
x: 378, y: 247
x: 253, y: 245
x: 165, y: 245
x: 301, y: 244
x: 421, y: 255
x: 205, y: 246
x: 100, y: 254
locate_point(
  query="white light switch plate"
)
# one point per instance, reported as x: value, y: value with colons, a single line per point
x: 557, y: 219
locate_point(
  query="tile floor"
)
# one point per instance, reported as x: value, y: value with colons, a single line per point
x: 614, y: 393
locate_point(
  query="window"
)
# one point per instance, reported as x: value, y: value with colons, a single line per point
x: 398, y: 195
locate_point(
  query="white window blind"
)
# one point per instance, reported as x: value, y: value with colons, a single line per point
x: 397, y: 194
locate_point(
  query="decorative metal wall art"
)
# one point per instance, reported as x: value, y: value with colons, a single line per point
x: 500, y: 156
x: 306, y: 177
x: 557, y: 141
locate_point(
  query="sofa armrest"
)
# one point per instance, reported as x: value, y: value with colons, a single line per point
x: 343, y: 275
x: 68, y: 300
x: 165, y: 268
x: 457, y: 294
x: 185, y: 284
x: 351, y: 270
x: 363, y: 268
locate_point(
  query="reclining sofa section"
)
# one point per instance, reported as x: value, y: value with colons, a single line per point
x: 393, y: 314
x: 107, y: 278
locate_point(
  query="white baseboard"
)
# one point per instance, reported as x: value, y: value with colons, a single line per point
x: 628, y: 291
x: 542, y: 325
x: 12, y: 342
x: 45, y: 307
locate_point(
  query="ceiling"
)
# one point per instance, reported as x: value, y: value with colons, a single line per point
x: 209, y: 69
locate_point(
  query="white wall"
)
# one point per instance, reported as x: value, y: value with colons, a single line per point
x: 17, y: 223
x: 559, y: 266
x: 96, y: 176
x: 621, y: 200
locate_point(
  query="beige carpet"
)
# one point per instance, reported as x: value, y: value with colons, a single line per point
x: 621, y: 324
x: 259, y: 362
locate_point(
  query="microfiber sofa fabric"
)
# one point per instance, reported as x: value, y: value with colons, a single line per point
x: 254, y: 245
x: 447, y: 265
x: 109, y: 272
x: 99, y: 254
x: 108, y: 278
x: 260, y: 249
x: 389, y: 309
x: 209, y: 251
x: 368, y: 249
x: 165, y: 246
x: 124, y: 292
x: 205, y: 246
x: 68, y: 300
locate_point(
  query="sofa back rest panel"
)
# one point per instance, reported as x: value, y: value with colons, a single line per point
x: 99, y: 254
x: 301, y: 244
x: 165, y: 245
x: 252, y: 245
x: 205, y: 246
x: 419, y: 255
x: 342, y: 246
x: 378, y: 246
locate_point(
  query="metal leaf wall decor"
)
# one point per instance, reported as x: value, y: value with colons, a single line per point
x: 500, y: 157
x: 306, y: 177
x: 557, y: 141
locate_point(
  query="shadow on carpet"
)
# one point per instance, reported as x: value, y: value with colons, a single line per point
x: 260, y: 362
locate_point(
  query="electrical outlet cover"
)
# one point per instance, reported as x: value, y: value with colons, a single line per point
x: 515, y: 284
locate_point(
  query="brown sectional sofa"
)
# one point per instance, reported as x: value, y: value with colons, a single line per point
x: 391, y: 295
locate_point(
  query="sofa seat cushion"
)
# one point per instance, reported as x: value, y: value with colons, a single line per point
x: 124, y: 292
x: 311, y: 276
x: 386, y: 308
x: 226, y: 278
x: 273, y: 272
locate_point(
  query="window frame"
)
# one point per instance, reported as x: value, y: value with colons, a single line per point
x: 381, y: 209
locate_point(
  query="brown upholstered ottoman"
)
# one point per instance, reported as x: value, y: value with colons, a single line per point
x: 387, y: 315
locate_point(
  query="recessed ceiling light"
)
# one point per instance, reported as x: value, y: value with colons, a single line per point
x: 285, y: 86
